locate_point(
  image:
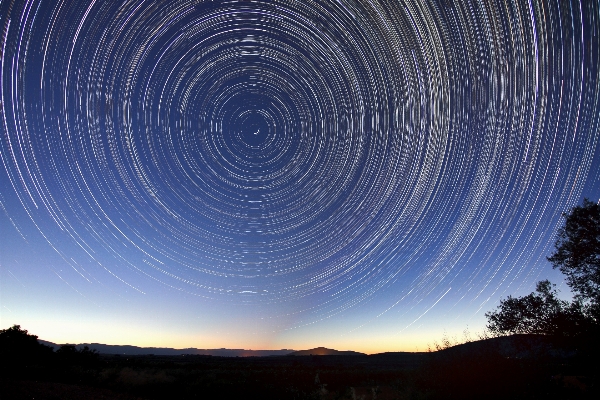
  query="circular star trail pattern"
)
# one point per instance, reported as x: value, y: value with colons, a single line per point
x: 283, y: 151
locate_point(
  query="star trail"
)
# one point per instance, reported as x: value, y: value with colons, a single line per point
x: 314, y: 163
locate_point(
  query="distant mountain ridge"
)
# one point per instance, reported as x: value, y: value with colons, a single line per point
x: 515, y: 346
x: 167, y: 351
x: 323, y: 351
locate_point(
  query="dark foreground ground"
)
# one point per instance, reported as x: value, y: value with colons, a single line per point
x: 517, y: 368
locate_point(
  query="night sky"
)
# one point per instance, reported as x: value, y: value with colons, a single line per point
x: 288, y: 174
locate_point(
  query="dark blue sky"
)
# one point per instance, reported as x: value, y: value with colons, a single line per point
x: 288, y: 174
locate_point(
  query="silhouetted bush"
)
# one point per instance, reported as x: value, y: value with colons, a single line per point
x: 68, y: 355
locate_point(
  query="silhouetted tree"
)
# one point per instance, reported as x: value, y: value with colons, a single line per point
x: 577, y: 255
x: 15, y: 337
x: 18, y: 348
x: 540, y: 312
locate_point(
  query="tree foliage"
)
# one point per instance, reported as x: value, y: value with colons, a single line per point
x: 17, y: 337
x: 19, y: 350
x: 18, y: 347
x: 540, y: 312
x: 577, y: 255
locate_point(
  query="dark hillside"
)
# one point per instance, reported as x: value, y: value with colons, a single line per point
x: 515, y: 367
